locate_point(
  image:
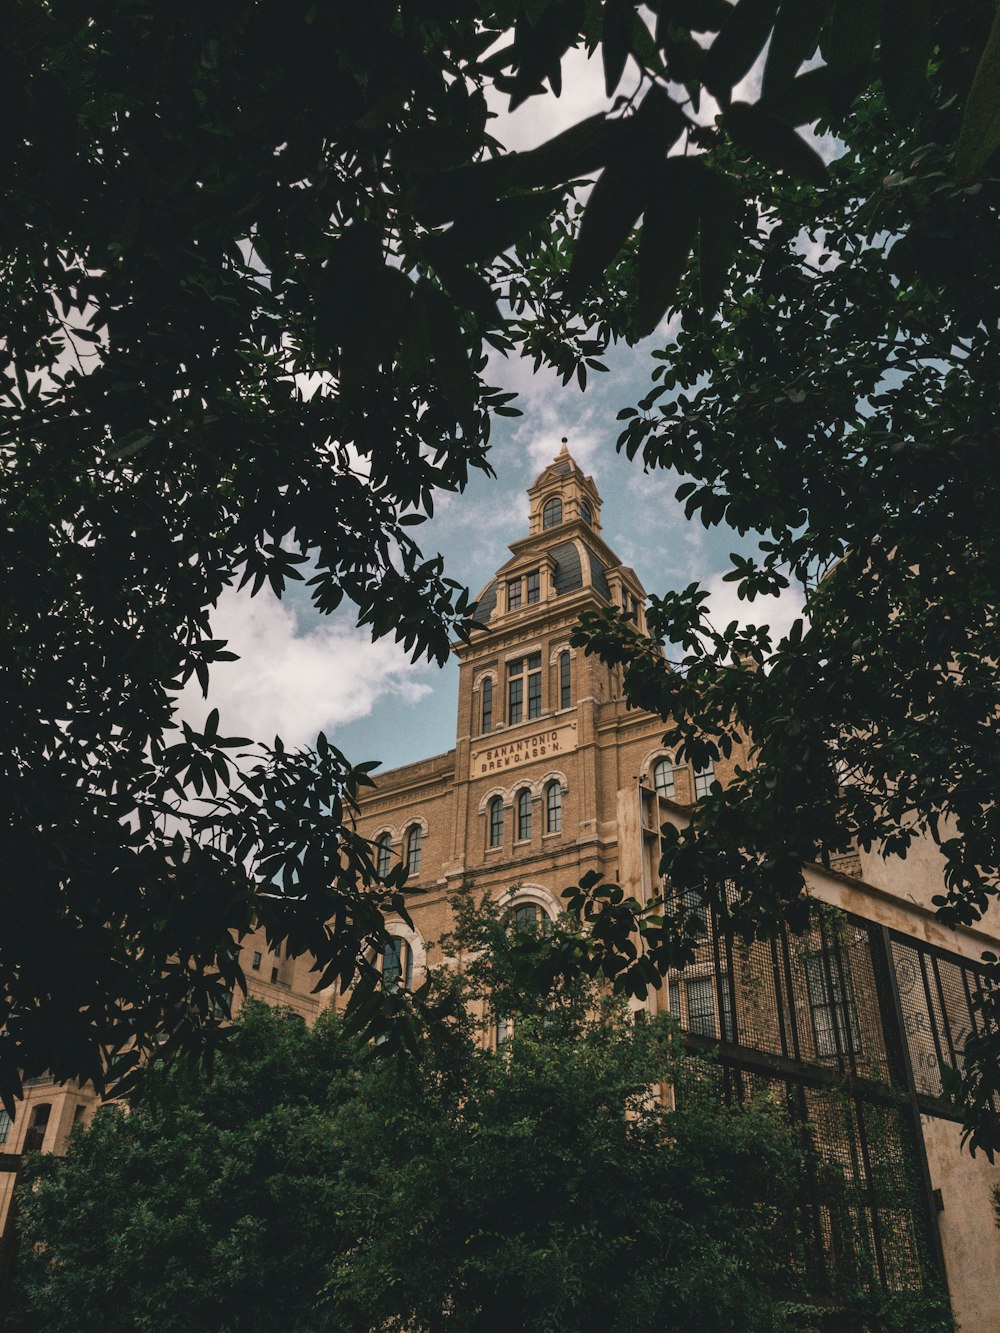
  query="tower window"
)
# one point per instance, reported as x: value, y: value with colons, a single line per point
x: 397, y: 965
x: 496, y: 821
x: 585, y: 513
x: 663, y: 778
x: 552, y: 512
x: 513, y: 594
x: 553, y: 808
x: 383, y: 854
x: 255, y: 964
x: 524, y: 816
x: 487, y: 706
x: 703, y: 779
x: 533, y: 585
x: 565, y: 690
x: 521, y: 667
x: 414, y: 840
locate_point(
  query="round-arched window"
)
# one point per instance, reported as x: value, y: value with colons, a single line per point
x: 383, y: 853
x: 397, y: 965
x: 552, y: 512
x: 496, y: 821
x: 414, y: 843
x: 524, y: 816
x: 553, y: 808
x: 663, y: 778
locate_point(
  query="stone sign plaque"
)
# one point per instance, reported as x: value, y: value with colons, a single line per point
x: 504, y: 753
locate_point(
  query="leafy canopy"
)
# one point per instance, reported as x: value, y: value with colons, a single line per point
x: 311, y: 1185
x: 253, y: 257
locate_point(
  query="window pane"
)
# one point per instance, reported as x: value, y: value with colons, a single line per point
x: 535, y: 662
x: 674, y: 995
x: 513, y: 594
x: 835, y: 1021
x: 496, y: 822
x: 5, y: 1124
x: 384, y: 854
x: 487, y: 706
x: 663, y: 777
x: 703, y: 779
x: 535, y: 694
x: 524, y: 816
x: 565, y: 692
x: 526, y: 916
x: 413, y: 847
x: 515, y: 699
x: 397, y: 964
x: 534, y: 586
x: 701, y: 1006
x: 552, y: 512
x: 585, y: 513
x: 553, y: 808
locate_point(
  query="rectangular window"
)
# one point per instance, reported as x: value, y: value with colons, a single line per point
x: 487, y: 706
x: 535, y: 685
x: 515, y: 699
x: 703, y: 779
x: 513, y: 594
x: 5, y: 1124
x: 565, y: 690
x: 274, y: 974
x: 534, y: 585
x: 700, y: 993
x: 255, y: 965
x: 831, y: 1000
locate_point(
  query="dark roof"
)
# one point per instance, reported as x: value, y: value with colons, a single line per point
x: 568, y: 574
x: 487, y: 603
x: 560, y: 467
x: 597, y: 576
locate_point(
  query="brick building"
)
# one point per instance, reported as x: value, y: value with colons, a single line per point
x: 847, y: 1026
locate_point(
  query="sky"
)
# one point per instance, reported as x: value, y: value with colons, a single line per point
x: 299, y: 673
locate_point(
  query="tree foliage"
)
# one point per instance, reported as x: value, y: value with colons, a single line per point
x: 310, y: 1185
x: 252, y: 258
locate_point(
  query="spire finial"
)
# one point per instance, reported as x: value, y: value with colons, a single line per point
x: 565, y: 446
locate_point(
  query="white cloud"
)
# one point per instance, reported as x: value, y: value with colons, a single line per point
x: 539, y: 118
x: 778, y: 612
x: 291, y: 681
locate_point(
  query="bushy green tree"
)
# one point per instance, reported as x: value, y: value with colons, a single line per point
x: 316, y: 1184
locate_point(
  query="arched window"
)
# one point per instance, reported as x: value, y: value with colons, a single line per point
x: 553, y: 808
x: 663, y: 777
x: 383, y: 853
x: 703, y: 779
x: 496, y: 821
x: 524, y: 816
x: 414, y: 840
x: 487, y: 706
x: 529, y: 917
x: 551, y: 512
x: 585, y: 513
x: 565, y: 683
x: 397, y: 965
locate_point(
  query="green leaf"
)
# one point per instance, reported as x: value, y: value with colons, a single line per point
x: 773, y: 142
x: 622, y: 190
x: 668, y: 232
x: 905, y: 50
x: 732, y: 54
x: 979, y: 137
x: 717, y: 238
x: 794, y: 39
x: 617, y: 30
